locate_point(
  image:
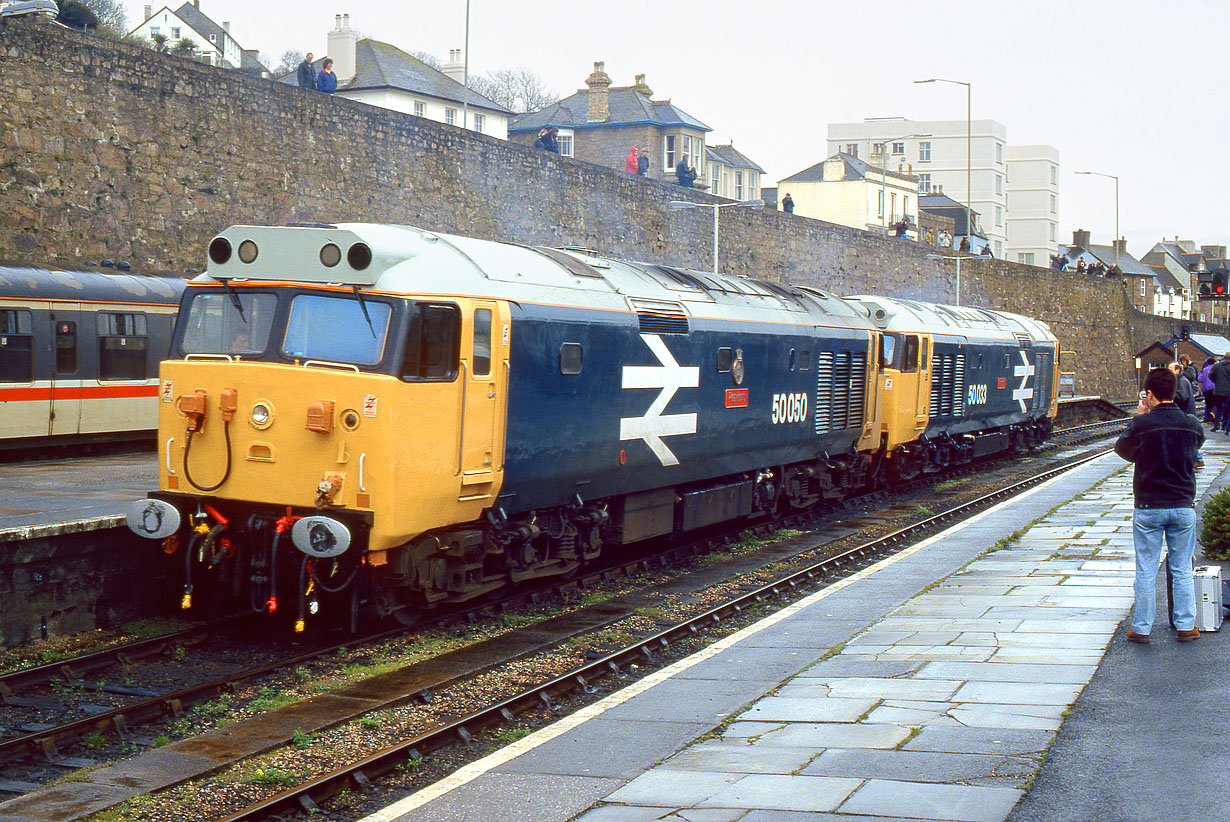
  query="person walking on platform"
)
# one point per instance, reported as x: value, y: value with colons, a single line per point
x: 1220, y: 375
x: 1163, y: 442
x: 1206, y: 388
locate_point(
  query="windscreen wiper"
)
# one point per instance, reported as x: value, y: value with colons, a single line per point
x: 226, y: 286
x: 358, y: 296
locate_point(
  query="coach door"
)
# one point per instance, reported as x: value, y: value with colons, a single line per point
x: 25, y: 406
x: 66, y: 369
x: 484, y: 366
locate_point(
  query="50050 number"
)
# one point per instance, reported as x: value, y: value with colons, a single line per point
x: 789, y: 408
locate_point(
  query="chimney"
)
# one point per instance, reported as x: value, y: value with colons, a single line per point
x: 342, y: 47
x: 1080, y: 238
x: 455, y: 68
x: 1120, y: 246
x: 226, y: 26
x: 642, y: 87
x: 599, y: 95
x: 149, y: 12
x: 197, y: 3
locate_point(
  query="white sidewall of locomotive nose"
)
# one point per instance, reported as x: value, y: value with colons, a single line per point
x: 320, y: 537
x: 152, y: 518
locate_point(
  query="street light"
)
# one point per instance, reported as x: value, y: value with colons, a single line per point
x: 465, y: 104
x: 683, y: 205
x: 956, y: 257
x: 884, y: 173
x: 1116, y: 179
x: 969, y: 144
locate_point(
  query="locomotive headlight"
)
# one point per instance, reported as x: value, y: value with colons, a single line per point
x: 248, y: 251
x: 350, y: 419
x: 261, y: 415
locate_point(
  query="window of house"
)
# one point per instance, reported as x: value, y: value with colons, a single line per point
x: 880, y: 204
x: 1142, y: 287
x: 892, y: 206
x: 753, y: 184
x: 1054, y: 175
x: 1026, y: 257
x: 1054, y: 204
x: 999, y: 215
x: 668, y: 152
x: 1051, y: 226
x: 693, y: 147
x: 716, y: 175
x: 213, y: 38
x: 16, y: 346
x: 174, y: 33
x: 999, y: 152
x: 450, y: 116
x: 738, y: 185
x: 877, y: 148
x: 852, y: 149
x: 480, y: 120
x: 420, y: 109
x: 564, y: 139
x: 898, y: 148
x: 999, y: 248
x: 924, y: 183
x: 924, y: 152
x: 122, y: 346
x: 905, y: 206
x: 999, y: 184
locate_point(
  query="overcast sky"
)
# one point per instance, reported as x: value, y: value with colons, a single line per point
x: 1128, y: 88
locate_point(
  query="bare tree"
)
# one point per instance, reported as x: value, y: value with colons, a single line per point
x: 517, y: 89
x: 110, y: 14
x: 288, y: 62
x: 429, y: 59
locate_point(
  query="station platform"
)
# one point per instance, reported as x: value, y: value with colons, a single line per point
x: 71, y: 495
x: 982, y: 675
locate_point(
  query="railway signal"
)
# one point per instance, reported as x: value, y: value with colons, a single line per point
x: 1219, y: 289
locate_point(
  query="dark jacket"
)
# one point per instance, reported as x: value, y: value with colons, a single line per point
x: 1184, y: 396
x: 685, y: 174
x: 307, y: 75
x: 642, y: 165
x: 788, y: 204
x: 547, y: 142
x: 1220, y: 375
x: 326, y: 81
x: 1163, y: 444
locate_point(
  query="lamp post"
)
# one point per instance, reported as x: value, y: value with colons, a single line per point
x: 1116, y: 179
x: 957, y: 257
x: 969, y: 144
x: 683, y: 205
x: 465, y: 100
x: 884, y: 174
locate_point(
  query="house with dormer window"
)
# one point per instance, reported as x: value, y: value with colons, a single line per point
x: 211, y: 43
x: 602, y: 122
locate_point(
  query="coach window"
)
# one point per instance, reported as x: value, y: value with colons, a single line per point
x: 122, y: 347
x: 66, y: 347
x: 571, y: 357
x: 432, y: 344
x: 482, y: 342
x: 16, y: 346
x: 909, y: 354
x: 724, y: 360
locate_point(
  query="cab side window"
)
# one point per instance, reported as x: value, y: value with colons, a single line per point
x: 888, y: 351
x: 16, y: 346
x: 909, y: 354
x: 482, y: 342
x: 433, y: 343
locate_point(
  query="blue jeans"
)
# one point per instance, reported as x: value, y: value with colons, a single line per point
x: 1178, y: 525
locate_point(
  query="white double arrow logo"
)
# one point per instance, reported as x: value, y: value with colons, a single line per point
x: 1024, y: 371
x: 670, y: 376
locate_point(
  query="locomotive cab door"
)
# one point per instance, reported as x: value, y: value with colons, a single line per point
x: 915, y: 377
x: 484, y: 378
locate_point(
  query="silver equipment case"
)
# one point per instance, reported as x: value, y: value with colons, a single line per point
x: 1208, y: 597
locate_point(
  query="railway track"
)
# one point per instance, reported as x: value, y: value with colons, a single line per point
x: 419, y: 687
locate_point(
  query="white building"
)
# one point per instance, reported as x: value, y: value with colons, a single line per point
x: 383, y: 75
x: 937, y: 152
x: 212, y: 43
x: 848, y: 191
x: 731, y: 174
x: 1033, y: 204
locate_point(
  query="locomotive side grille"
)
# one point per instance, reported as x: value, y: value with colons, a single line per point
x: 948, y: 385
x: 658, y: 323
x: 824, y: 392
x: 1042, y: 381
x: 841, y: 390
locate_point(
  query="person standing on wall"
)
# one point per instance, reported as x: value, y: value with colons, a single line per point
x: 642, y: 163
x: 307, y: 73
x: 788, y: 204
x: 685, y: 173
x: 327, y: 81
x: 631, y: 165
x: 1163, y: 443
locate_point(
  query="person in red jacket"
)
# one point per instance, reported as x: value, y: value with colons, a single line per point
x: 630, y: 164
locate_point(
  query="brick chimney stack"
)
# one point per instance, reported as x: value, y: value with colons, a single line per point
x: 599, y: 95
x: 1120, y: 246
x: 1080, y: 238
x: 642, y: 87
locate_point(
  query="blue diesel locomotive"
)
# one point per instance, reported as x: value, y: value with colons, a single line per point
x: 384, y: 416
